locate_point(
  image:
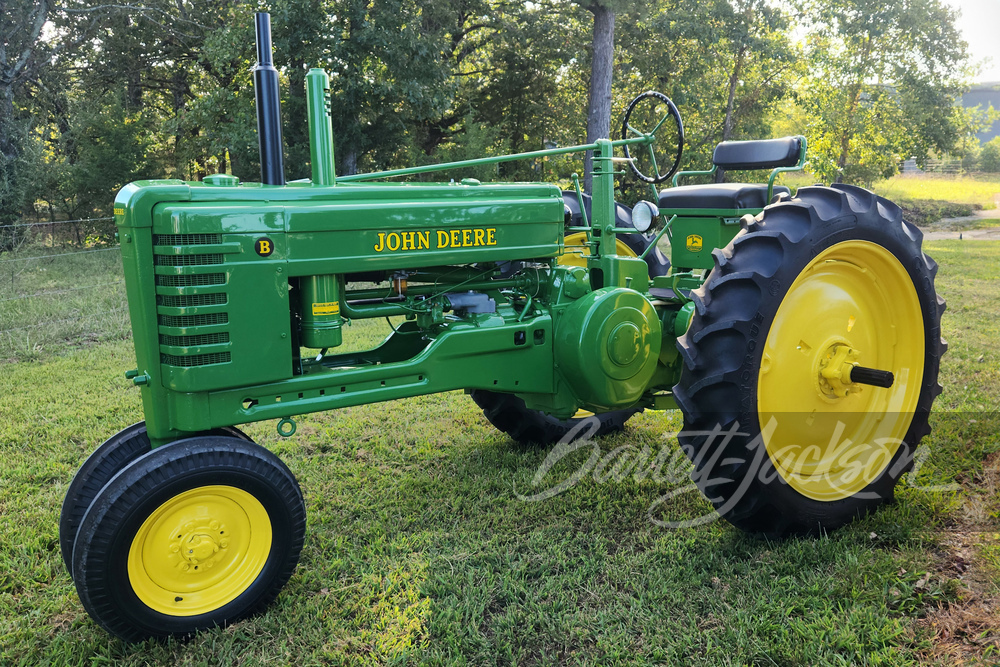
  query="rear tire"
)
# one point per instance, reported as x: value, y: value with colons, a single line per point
x: 197, y: 534
x: 509, y: 414
x: 832, y: 269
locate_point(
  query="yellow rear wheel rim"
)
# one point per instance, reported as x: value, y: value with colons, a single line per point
x: 575, y: 254
x: 854, y: 295
x: 199, y: 550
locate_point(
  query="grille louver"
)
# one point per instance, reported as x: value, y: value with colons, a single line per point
x: 180, y: 310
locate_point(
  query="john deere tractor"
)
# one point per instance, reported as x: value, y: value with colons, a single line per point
x: 799, y: 335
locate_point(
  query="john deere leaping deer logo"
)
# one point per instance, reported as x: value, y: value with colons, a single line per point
x: 694, y: 243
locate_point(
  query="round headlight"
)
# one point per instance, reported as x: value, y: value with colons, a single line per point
x: 643, y: 215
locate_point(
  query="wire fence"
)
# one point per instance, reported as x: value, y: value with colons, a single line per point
x: 56, y: 292
x: 18, y: 225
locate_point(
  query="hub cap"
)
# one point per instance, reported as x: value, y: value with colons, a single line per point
x: 199, y: 550
x: 854, y: 304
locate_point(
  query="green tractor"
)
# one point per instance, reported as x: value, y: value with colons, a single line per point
x: 799, y: 336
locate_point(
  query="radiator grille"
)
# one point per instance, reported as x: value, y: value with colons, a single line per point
x: 194, y: 320
x: 191, y: 341
x: 194, y: 336
x: 195, y: 359
x: 192, y: 281
x: 186, y: 239
x: 189, y: 300
x: 187, y: 260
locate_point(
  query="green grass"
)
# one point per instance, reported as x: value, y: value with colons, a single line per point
x: 54, y: 298
x: 418, y: 550
x: 964, y: 225
x: 926, y: 199
x: 978, y: 190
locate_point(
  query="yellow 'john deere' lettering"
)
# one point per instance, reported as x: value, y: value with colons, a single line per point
x: 455, y: 238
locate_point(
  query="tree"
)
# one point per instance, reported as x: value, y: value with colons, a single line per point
x: 602, y: 54
x: 725, y: 64
x: 884, y: 80
x: 21, y: 25
x: 989, y: 156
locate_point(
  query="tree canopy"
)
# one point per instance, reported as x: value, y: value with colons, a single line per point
x: 94, y: 95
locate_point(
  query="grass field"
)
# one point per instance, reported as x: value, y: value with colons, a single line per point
x: 980, y: 189
x: 927, y: 198
x: 55, y: 298
x: 418, y: 550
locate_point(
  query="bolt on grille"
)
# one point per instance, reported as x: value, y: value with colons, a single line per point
x: 186, y: 239
x: 189, y: 300
x: 192, y: 281
x: 193, y: 320
x: 187, y: 260
x: 191, y: 341
x: 195, y: 359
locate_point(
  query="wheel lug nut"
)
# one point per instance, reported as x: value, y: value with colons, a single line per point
x: 174, y: 548
x: 224, y: 543
x: 214, y: 525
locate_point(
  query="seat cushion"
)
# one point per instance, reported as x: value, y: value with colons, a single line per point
x: 718, y: 195
x: 759, y: 154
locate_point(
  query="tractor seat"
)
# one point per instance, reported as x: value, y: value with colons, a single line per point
x: 718, y: 195
x: 784, y: 154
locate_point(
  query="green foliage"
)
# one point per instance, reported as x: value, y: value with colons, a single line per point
x: 989, y: 156
x: 19, y: 169
x: 882, y: 85
x: 103, y: 148
x: 112, y: 94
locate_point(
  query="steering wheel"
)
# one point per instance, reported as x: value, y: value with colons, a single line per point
x: 646, y: 114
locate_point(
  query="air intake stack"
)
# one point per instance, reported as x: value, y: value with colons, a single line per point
x: 265, y: 83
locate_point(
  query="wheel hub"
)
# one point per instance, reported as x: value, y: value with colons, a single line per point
x: 199, y: 550
x: 835, y: 368
x: 200, y: 545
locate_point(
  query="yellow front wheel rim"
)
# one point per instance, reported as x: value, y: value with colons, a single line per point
x: 199, y: 550
x: 830, y: 442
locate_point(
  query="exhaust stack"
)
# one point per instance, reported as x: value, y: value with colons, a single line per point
x: 265, y: 84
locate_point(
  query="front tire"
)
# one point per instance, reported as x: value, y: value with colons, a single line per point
x: 197, y: 534
x: 104, y: 463
x: 812, y: 286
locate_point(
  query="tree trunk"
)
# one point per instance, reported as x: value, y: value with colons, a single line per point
x: 848, y: 134
x: 350, y: 162
x: 296, y: 121
x: 599, y: 100
x: 727, y: 126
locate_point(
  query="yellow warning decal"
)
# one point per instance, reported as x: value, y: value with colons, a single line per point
x: 694, y: 243
x: 328, y: 308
